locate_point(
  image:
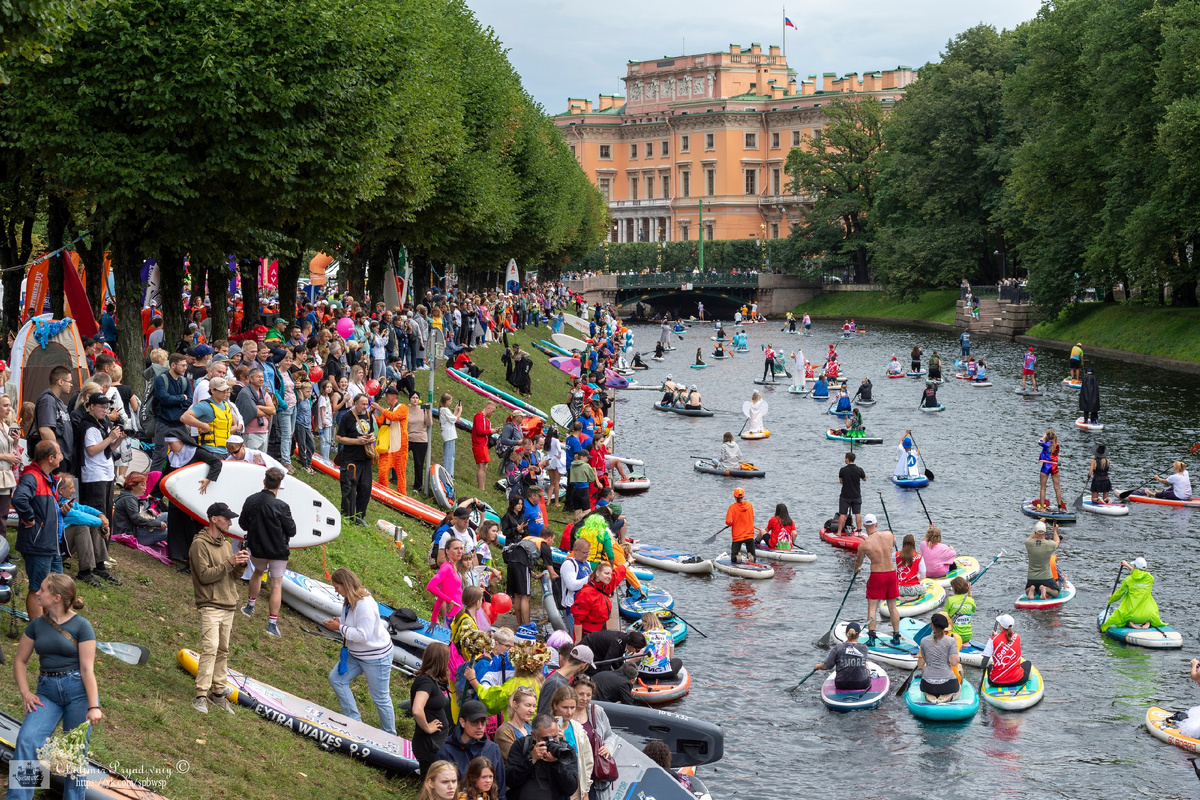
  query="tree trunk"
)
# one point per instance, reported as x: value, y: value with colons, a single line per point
x: 199, y: 276
x: 92, y: 256
x: 127, y: 279
x: 861, y: 273
x: 56, y: 225
x: 378, y: 266
x: 248, y: 269
x: 289, y: 277
x: 170, y: 282
x: 218, y: 295
x: 354, y: 270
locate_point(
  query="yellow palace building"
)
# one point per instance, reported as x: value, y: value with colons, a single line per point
x: 714, y: 127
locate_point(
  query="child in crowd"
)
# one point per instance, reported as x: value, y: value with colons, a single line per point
x: 303, y: 432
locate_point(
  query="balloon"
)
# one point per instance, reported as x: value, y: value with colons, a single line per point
x: 490, y: 612
x: 345, y: 327
x: 372, y: 387
x: 315, y: 374
x: 501, y: 604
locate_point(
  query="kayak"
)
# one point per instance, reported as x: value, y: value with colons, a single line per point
x: 654, y: 599
x: 856, y: 699
x: 964, y: 706
x: 1068, y: 591
x: 901, y: 656
x: 1162, y: 637
x: 1041, y: 512
x: 971, y: 653
x: 1161, y: 726
x: 713, y: 468
x: 1028, y: 393
x: 794, y: 556
x: 654, y: 692
x: 635, y: 485
x: 1088, y: 426
x: 934, y: 410
x: 1138, y: 498
x: 844, y: 540
x: 963, y: 567
x: 911, y: 481
x: 760, y: 572
x: 672, y: 624
x: 1112, y: 509
x: 685, y: 412
x: 1015, y: 698
x: 933, y: 596
x: 756, y: 435
x: 670, y: 560
x: 829, y: 434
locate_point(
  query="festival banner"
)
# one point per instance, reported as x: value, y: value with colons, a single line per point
x: 36, y: 285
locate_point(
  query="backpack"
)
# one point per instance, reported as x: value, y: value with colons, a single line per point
x: 831, y: 525
x: 520, y: 554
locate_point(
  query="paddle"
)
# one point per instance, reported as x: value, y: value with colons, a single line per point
x: 689, y: 623
x: 135, y: 654
x: 907, y: 682
x: 989, y: 566
x: 1108, y: 608
x: 806, y: 677
x: 712, y: 539
x: 923, y: 508
x: 928, y: 471
x: 1122, y: 495
x: 885, y: 514
x: 1078, y: 504
x: 824, y: 640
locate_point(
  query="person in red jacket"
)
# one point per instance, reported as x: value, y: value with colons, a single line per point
x: 593, y: 603
x: 481, y: 432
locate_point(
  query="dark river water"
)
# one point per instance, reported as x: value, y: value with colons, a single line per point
x: 1087, y: 737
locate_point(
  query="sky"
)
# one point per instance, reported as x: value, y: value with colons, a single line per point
x: 579, y: 48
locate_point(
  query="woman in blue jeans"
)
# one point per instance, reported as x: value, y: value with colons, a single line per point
x: 66, y: 686
x: 368, y: 650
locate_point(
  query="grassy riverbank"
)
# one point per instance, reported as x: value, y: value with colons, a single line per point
x: 150, y: 725
x: 934, y: 306
x: 1165, y: 332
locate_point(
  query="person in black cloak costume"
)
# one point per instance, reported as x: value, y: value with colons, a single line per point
x: 522, y: 366
x: 183, y: 451
x: 1089, y: 397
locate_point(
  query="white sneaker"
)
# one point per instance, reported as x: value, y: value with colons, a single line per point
x: 201, y: 704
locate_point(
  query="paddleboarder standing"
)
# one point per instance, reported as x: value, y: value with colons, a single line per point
x: 883, y: 583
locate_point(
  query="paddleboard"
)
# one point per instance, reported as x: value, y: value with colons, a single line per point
x: 794, y: 556
x: 1111, y: 509
x: 962, y: 707
x: 442, y: 484
x: 936, y: 409
x: 568, y: 342
x: 635, y: 485
x: 911, y: 481
x: 699, y: 366
x: 901, y: 656
x: 318, y: 520
x: 1162, y: 637
x: 685, y: 412
x: 1158, y: 501
x: 1027, y: 393
x: 1072, y: 384
x: 561, y: 415
x: 665, y: 690
x: 743, y: 569
x: 550, y: 604
x: 1015, y: 698
x: 672, y: 624
x: 330, y: 729
x: 1068, y: 591
x: 963, y: 567
x: 639, y: 777
x: 844, y: 540
x: 1161, y: 726
x: 671, y: 560
x: 829, y: 434
x: 1088, y: 426
x: 867, y: 403
x: 757, y: 435
x: 772, y: 382
x: 856, y: 699
x: 917, y: 374
x: 1042, y: 512
x: 578, y: 324
x: 933, y: 596
x: 655, y: 600
x: 800, y: 391
x: 714, y: 468
x: 980, y: 384
x: 971, y: 653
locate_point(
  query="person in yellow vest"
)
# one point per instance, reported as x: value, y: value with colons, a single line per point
x: 1076, y: 360
x: 213, y: 419
x: 393, y: 457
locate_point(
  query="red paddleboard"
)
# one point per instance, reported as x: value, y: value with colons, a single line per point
x: 845, y: 540
x: 386, y: 495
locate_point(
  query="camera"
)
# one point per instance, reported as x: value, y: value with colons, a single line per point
x: 559, y: 749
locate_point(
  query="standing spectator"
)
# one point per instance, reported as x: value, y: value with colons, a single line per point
x: 324, y: 420
x: 214, y: 418
x: 215, y: 570
x: 448, y: 421
x: 420, y: 420
x: 172, y: 397
x: 108, y: 324
x: 303, y: 432
x: 37, y: 505
x: 10, y: 458
x: 395, y: 416
x: 593, y: 603
x: 269, y: 528
x: 256, y: 405
x: 66, y: 688
x: 468, y: 741
x: 356, y: 433
x: 285, y: 417
x: 481, y: 434
x: 54, y: 418
x: 368, y: 650
x: 535, y: 774
x: 430, y: 705
x: 574, y: 660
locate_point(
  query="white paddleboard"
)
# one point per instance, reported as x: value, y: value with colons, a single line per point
x: 318, y: 520
x: 578, y: 324
x: 568, y: 342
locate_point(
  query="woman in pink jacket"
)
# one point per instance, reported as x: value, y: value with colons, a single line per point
x: 447, y: 585
x: 939, y: 558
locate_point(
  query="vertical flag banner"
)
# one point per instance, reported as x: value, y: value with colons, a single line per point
x: 36, y: 284
x: 76, y: 297
x: 150, y: 277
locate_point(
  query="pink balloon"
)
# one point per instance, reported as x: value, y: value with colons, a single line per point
x: 345, y: 327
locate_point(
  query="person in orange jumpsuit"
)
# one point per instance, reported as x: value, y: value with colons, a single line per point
x: 740, y: 519
x: 396, y: 457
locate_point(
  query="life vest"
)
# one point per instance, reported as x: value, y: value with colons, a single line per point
x: 1006, y: 658
x: 908, y: 574
x: 220, y: 427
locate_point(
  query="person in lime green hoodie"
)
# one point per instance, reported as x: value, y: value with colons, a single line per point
x: 1137, y: 609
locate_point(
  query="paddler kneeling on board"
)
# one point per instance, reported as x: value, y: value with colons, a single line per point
x: 894, y: 367
x: 1003, y: 651
x: 1137, y: 609
x: 731, y: 454
x: 848, y: 659
x: 929, y: 395
x: 1040, y: 576
x: 700, y: 355
x: 864, y: 390
x: 941, y: 675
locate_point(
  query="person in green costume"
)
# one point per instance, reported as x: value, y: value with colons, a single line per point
x: 1137, y: 609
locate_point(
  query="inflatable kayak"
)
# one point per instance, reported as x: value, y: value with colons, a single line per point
x: 933, y: 596
x: 911, y: 481
x: 936, y: 409
x: 845, y: 540
x: 550, y: 604
x: 714, y: 468
x: 1068, y: 591
x: 332, y: 730
x: 1088, y: 426
x: 901, y: 656
x: 1044, y: 512
x: 672, y: 624
x: 1158, y: 501
x: 1162, y: 637
x: 1110, y: 509
x: 856, y: 699
x: 971, y: 653
x: 742, y: 569
x: 793, y: 556
x: 654, y: 600
x: 671, y: 560
x: 837, y: 437
x: 1015, y: 698
x: 964, y: 706
x: 664, y: 690
x: 756, y: 435
x: 1161, y: 726
x: 685, y: 412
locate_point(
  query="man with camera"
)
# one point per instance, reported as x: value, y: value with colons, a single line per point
x: 468, y: 741
x: 542, y: 766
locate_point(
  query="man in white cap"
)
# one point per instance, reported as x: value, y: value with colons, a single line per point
x: 238, y: 451
x: 573, y: 659
x: 1039, y: 579
x: 883, y: 583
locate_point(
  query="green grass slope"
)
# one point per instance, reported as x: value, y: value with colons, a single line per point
x: 1165, y: 332
x: 934, y: 306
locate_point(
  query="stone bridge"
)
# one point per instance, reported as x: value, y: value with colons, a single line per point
x: 720, y: 292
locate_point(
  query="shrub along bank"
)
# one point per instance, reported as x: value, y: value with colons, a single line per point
x: 1163, y: 332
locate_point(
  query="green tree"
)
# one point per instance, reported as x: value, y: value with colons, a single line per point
x: 840, y: 170
x: 35, y: 29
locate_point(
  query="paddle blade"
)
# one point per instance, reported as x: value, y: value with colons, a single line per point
x: 929, y: 473
x: 1078, y: 504
x: 904, y: 686
x: 134, y: 654
x: 1123, y: 495
x: 824, y: 640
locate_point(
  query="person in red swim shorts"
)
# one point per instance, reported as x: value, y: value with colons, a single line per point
x: 883, y: 583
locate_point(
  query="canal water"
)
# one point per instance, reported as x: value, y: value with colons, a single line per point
x: 1087, y: 737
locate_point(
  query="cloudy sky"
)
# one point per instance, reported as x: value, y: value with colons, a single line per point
x: 578, y: 48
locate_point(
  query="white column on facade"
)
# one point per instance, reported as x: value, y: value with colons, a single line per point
x: 653, y: 228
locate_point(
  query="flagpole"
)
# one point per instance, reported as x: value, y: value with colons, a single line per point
x: 783, y: 31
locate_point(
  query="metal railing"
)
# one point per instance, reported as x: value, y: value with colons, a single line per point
x: 1017, y: 295
x: 661, y: 280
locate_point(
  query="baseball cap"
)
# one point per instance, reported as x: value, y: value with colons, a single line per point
x: 473, y: 711
x: 1005, y: 621
x: 218, y: 385
x: 220, y: 510
x: 1040, y: 527
x: 739, y: 492
x: 98, y: 399
x: 582, y: 652
x: 516, y: 412
x: 462, y: 513
x: 907, y: 443
x: 869, y: 519
x: 234, y: 439
x: 1139, y: 563
x: 856, y: 627
x: 203, y: 350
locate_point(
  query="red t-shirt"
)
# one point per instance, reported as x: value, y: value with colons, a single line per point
x: 481, y: 429
x: 775, y: 528
x: 908, y: 575
x: 1006, y: 658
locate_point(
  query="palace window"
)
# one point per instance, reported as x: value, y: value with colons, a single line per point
x: 666, y: 186
x: 776, y: 181
x: 710, y: 182
x: 606, y: 188
x: 665, y: 148
x: 751, y: 141
x: 633, y: 188
x: 774, y: 230
x: 795, y: 138
x: 606, y: 151
x: 683, y: 143
x: 752, y: 181
x: 649, y: 187
x: 685, y: 183
x: 710, y: 141
x: 708, y: 231
x: 775, y: 140
x: 633, y: 150
x: 683, y: 232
